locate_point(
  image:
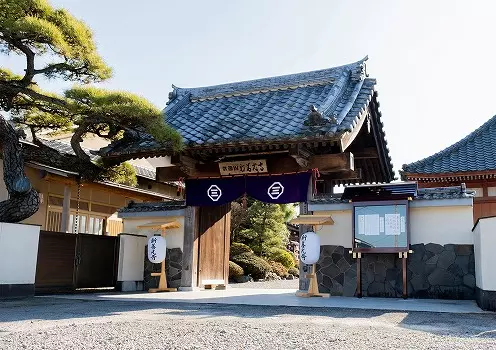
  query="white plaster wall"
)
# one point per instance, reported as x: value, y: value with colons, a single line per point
x: 338, y: 234
x: 131, y: 257
x: 18, y: 253
x: 174, y: 237
x: 485, y: 259
x: 441, y: 225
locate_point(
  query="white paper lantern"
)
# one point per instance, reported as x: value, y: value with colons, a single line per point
x: 309, y: 248
x: 156, y: 249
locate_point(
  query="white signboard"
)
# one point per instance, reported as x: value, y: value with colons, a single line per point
x: 372, y: 225
x: 392, y: 224
x: 243, y: 167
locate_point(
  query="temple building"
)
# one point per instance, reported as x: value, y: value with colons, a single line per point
x: 297, y: 135
x: 471, y: 161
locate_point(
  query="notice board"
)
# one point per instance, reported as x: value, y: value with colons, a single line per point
x: 380, y: 226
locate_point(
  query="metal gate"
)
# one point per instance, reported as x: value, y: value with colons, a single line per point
x: 68, y: 261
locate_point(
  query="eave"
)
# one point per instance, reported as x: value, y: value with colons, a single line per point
x: 455, y: 176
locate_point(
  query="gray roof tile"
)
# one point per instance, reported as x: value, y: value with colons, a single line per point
x: 133, y: 207
x: 270, y: 108
x: 455, y: 192
x: 66, y: 148
x: 475, y: 152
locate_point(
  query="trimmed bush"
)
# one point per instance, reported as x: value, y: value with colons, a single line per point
x: 282, y: 256
x: 235, y: 270
x: 278, y: 269
x: 253, y: 265
x: 294, y: 271
x: 239, y: 248
x: 296, y: 261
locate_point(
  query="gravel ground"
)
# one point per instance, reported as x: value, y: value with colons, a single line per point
x: 282, y: 284
x: 63, y: 324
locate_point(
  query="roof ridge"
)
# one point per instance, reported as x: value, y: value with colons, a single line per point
x: 270, y: 83
x: 452, y: 147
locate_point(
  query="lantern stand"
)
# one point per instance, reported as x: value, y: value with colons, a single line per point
x: 314, y: 221
x: 162, y: 284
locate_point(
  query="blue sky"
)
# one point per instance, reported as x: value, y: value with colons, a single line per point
x: 433, y: 60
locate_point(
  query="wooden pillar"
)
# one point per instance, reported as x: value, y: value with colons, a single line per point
x: 304, y: 269
x: 405, y: 281
x: 359, y: 274
x: 189, y: 274
x: 66, y: 209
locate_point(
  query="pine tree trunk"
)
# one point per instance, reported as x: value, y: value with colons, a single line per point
x: 23, y: 199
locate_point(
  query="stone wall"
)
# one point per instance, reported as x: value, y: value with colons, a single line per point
x: 174, y: 261
x: 434, y: 271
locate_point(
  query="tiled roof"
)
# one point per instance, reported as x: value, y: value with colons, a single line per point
x: 66, y: 148
x: 455, y: 192
x: 133, y: 207
x: 476, y: 152
x: 320, y: 105
x: 272, y: 108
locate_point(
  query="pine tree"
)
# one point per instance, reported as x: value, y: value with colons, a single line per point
x: 56, y: 45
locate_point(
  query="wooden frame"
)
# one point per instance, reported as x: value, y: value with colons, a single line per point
x: 385, y: 249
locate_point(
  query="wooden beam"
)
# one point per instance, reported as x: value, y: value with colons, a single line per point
x: 348, y: 137
x: 343, y: 175
x: 332, y: 162
x: 301, y: 155
x: 369, y: 152
x: 170, y: 173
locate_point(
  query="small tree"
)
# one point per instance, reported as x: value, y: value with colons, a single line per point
x: 38, y: 32
x: 265, y: 228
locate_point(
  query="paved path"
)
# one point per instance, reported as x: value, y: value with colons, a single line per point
x: 47, y: 323
x: 282, y: 284
x: 285, y: 297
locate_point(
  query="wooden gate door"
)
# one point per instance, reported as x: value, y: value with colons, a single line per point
x: 96, y: 261
x: 55, y: 265
x: 214, y: 236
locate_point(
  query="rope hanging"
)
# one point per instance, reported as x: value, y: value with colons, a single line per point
x: 315, y: 176
x: 76, y: 219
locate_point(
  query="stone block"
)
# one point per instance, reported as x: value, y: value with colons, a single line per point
x: 376, y: 289
x: 331, y: 270
x: 391, y: 274
x: 462, y: 261
x: 446, y: 258
x: 336, y: 257
x: 464, y: 249
x: 349, y: 288
x: 469, y: 281
x: 343, y: 265
x: 434, y: 248
x: 433, y: 260
x: 450, y: 247
x: 456, y: 270
x: 441, y: 277
x: 339, y: 279
x: 419, y: 282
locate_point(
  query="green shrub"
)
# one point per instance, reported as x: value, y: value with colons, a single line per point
x: 235, y: 270
x: 278, y: 269
x: 239, y: 248
x: 253, y: 265
x: 282, y: 256
x: 294, y: 271
x: 296, y: 261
